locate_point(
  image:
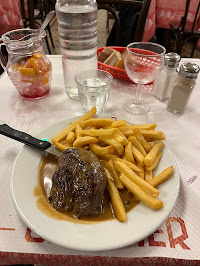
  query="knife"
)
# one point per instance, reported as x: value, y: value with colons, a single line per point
x: 27, y: 139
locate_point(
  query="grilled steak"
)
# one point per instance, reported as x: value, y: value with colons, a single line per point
x: 79, y: 183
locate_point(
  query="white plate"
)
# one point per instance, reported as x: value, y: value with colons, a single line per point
x: 141, y: 221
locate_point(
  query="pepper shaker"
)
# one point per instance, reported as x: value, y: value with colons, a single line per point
x: 182, y: 87
x: 163, y: 83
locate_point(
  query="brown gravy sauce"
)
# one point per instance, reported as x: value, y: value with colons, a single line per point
x: 42, y: 190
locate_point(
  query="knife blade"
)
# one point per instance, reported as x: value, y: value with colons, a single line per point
x: 41, y: 145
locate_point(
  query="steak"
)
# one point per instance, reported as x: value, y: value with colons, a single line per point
x: 79, y: 183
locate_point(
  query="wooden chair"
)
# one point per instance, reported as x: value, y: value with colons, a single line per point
x: 30, y: 20
x: 28, y: 15
x: 45, y: 6
x: 186, y: 31
x: 142, y: 6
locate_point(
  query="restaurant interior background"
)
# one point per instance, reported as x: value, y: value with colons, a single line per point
x: 103, y: 33
x: 161, y: 36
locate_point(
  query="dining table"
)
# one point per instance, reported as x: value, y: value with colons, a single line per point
x: 175, y: 242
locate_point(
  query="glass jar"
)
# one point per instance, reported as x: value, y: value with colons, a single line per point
x: 182, y: 87
x: 28, y: 67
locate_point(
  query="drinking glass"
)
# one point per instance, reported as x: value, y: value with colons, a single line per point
x: 143, y: 62
x: 93, y: 87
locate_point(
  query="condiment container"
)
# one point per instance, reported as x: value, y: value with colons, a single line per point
x: 163, y: 83
x: 182, y: 87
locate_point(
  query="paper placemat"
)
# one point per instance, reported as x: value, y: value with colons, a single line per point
x: 178, y: 237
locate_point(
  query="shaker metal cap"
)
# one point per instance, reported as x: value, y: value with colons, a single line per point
x: 189, y: 70
x: 172, y: 60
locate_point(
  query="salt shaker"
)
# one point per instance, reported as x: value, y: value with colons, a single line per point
x: 163, y: 83
x: 182, y: 87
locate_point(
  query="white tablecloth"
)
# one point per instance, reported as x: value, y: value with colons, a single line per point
x: 182, y: 133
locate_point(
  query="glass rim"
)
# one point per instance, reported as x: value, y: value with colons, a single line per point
x: 33, y: 32
x: 144, y: 55
x: 90, y: 71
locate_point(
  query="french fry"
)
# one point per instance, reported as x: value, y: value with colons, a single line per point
x: 116, y: 201
x: 155, y: 163
x: 71, y: 136
x: 110, y: 141
x: 118, y: 123
x: 141, y: 175
x: 142, y: 140
x: 150, y: 201
x: 62, y: 146
x: 122, y: 168
x: 148, y: 174
x: 99, y: 132
x: 87, y: 147
x: 151, y: 144
x: 111, y: 167
x: 82, y: 141
x: 151, y: 156
x: 96, y: 122
x: 108, y: 157
x: 137, y: 145
x: 129, y: 164
x: 125, y: 140
x: 153, y: 134
x: 127, y: 132
x: 128, y: 153
x: 98, y: 150
x: 138, y: 156
x: 78, y: 130
x: 144, y: 126
x: 166, y: 174
x: 63, y: 134
x: 120, y: 138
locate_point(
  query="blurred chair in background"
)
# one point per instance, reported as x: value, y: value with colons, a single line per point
x: 27, y: 12
x: 129, y: 23
x: 45, y: 6
x: 187, y: 30
x: 33, y: 20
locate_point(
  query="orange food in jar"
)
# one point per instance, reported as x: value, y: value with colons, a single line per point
x: 33, y: 69
x: 16, y: 66
x: 30, y: 72
x: 45, y: 80
x: 37, y: 56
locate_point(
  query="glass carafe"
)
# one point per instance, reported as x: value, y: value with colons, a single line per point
x: 28, y: 67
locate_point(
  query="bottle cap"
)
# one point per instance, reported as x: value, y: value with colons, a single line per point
x: 189, y: 70
x: 172, y: 60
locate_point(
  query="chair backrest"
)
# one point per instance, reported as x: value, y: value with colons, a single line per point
x: 184, y: 18
x: 27, y: 11
x: 141, y: 6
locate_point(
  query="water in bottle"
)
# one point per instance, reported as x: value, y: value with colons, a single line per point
x: 77, y: 26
